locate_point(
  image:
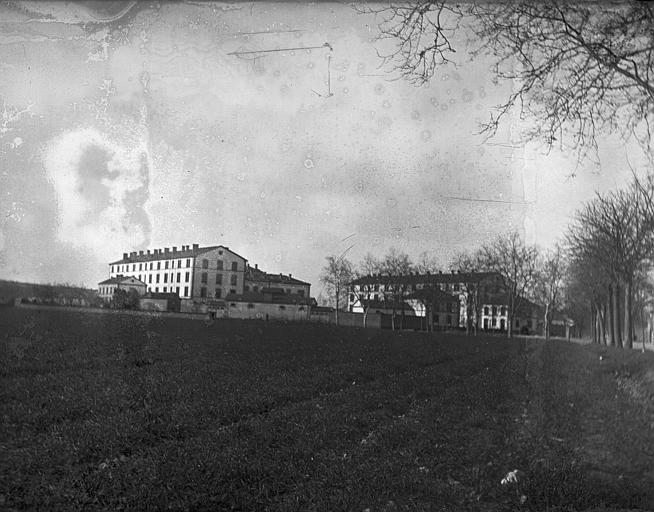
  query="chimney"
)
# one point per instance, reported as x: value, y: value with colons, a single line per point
x: 166, y: 250
x: 148, y: 251
x: 452, y: 271
x: 290, y: 276
x: 440, y: 272
x: 256, y: 265
x: 195, y: 246
x: 140, y: 253
x: 124, y: 255
x: 174, y: 248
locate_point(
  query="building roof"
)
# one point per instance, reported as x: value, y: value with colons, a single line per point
x: 415, y: 278
x: 256, y: 275
x: 121, y: 279
x: 388, y: 304
x: 188, y: 252
x: 268, y: 298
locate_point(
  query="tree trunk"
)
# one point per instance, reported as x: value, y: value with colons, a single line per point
x: 593, y: 322
x: 337, y: 294
x: 628, y: 313
x: 546, y: 321
x: 617, y: 324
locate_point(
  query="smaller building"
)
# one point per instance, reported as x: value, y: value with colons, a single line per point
x: 160, y: 302
x: 257, y: 280
x: 107, y: 288
x: 268, y: 304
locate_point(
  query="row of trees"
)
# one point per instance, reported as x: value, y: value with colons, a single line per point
x: 598, y: 276
x: 610, y: 246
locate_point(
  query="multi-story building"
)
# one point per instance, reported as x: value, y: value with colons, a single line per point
x: 108, y: 287
x: 481, y: 300
x: 257, y: 280
x: 204, y: 278
x: 191, y: 272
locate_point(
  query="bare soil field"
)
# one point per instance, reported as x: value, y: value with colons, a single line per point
x: 119, y: 412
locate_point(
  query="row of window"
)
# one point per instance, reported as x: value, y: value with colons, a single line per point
x: 106, y: 290
x: 219, y: 265
x: 172, y: 290
x: 494, y: 309
x: 233, y: 279
x: 144, y: 266
x: 455, y: 287
x: 217, y: 294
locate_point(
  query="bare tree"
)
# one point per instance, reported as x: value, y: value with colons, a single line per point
x: 394, y: 266
x: 578, y: 68
x: 336, y: 275
x: 548, y: 284
x: 369, y: 265
x: 515, y: 264
x: 427, y: 263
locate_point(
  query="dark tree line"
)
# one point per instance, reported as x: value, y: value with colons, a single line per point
x: 610, y: 246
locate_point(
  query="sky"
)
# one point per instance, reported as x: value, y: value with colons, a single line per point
x: 128, y: 126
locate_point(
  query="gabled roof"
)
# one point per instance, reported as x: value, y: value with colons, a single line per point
x: 121, y: 279
x: 170, y: 255
x: 256, y: 275
x: 454, y: 277
x: 432, y: 294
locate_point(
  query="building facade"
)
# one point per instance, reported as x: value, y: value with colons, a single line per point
x: 190, y: 272
x: 204, y: 277
x: 108, y: 287
x: 455, y: 299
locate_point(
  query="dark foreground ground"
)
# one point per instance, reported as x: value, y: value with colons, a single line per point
x: 121, y: 412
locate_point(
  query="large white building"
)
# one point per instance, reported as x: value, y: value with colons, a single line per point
x: 481, y: 300
x: 204, y: 278
x: 190, y: 271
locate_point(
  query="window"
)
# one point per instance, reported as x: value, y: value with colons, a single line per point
x: 494, y: 311
x: 494, y: 322
x: 233, y: 304
x: 150, y: 265
x: 232, y: 291
x: 250, y: 306
x: 140, y: 266
x: 157, y: 278
x: 376, y: 287
x: 351, y: 297
x: 186, y: 291
x: 134, y: 267
x: 205, y: 263
x: 517, y: 323
x: 188, y: 263
x: 203, y: 292
x: 166, y: 265
x: 176, y: 290
x: 449, y: 319
x: 219, y: 279
x: 456, y: 287
x: 282, y: 308
x: 203, y: 277
x: 179, y: 263
x: 156, y: 289
x: 218, y: 293
x: 219, y: 264
x: 165, y: 289
x: 503, y: 310
x: 300, y: 293
x: 452, y: 307
x: 233, y: 279
x: 165, y: 278
x: 179, y: 277
x: 234, y: 265
x: 486, y: 311
x: 150, y: 279
x: 186, y: 277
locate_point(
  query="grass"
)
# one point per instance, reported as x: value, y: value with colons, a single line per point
x: 108, y: 412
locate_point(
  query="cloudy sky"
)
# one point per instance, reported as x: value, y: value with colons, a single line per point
x: 127, y: 127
